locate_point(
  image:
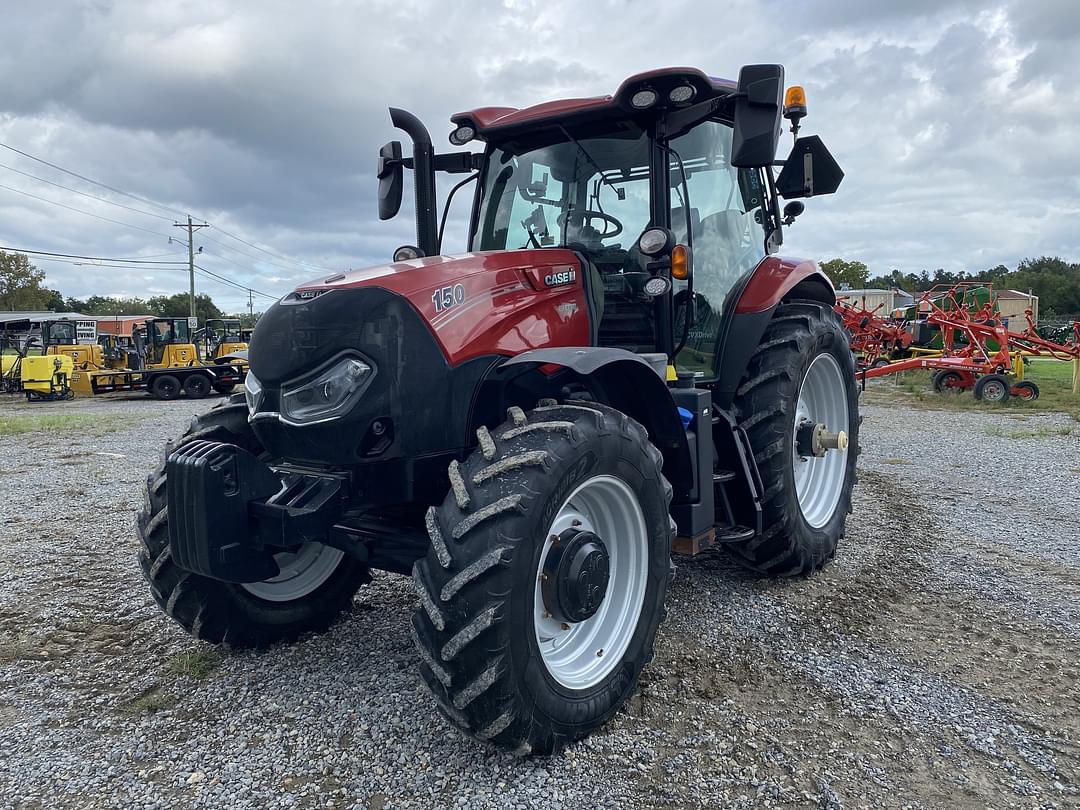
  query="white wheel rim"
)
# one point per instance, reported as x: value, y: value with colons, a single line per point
x: 302, y: 572
x: 819, y: 481
x: 584, y: 654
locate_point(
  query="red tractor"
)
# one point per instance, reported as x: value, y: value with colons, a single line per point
x: 618, y: 368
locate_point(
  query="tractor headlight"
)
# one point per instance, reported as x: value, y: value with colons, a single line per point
x: 329, y: 395
x: 252, y: 393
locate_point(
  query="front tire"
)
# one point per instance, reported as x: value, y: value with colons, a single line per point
x: 519, y: 648
x: 315, y: 586
x: 165, y: 386
x: 801, y: 373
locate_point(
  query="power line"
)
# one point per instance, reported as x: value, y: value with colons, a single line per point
x: 302, y: 263
x: 236, y: 284
x: 84, y: 193
x: 43, y: 253
x: 80, y: 211
x: 95, y: 182
x: 292, y: 261
x: 291, y: 268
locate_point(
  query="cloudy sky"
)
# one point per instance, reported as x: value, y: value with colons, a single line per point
x: 956, y: 122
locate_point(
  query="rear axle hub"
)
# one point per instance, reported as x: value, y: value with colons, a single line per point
x: 575, y: 576
x: 814, y: 439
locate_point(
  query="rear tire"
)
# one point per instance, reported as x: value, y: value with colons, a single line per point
x: 800, y: 529
x: 165, y: 386
x: 993, y: 388
x: 225, y: 612
x: 490, y: 642
x: 197, y: 386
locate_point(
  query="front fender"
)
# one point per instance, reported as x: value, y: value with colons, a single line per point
x: 773, y: 281
x: 618, y: 378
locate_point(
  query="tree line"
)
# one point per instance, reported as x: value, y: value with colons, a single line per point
x: 22, y: 288
x: 1055, y: 280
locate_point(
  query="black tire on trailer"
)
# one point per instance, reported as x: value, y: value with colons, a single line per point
x: 507, y: 642
x: 197, y: 386
x: 992, y: 388
x: 1025, y: 390
x: 804, y: 509
x: 942, y: 379
x: 255, y: 615
x: 165, y: 386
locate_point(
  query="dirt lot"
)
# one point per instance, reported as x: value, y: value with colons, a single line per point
x: 933, y: 664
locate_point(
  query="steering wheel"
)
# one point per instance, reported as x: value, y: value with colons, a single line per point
x: 607, y: 218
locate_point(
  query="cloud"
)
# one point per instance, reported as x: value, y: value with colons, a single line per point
x: 953, y: 121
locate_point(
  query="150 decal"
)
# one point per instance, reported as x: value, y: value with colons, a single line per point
x: 446, y: 297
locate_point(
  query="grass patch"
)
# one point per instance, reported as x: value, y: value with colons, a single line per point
x: 153, y: 701
x: 16, y: 649
x: 195, y: 664
x: 1053, y: 377
x: 1036, y: 433
x: 90, y: 424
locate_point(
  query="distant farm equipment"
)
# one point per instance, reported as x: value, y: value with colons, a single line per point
x: 977, y: 353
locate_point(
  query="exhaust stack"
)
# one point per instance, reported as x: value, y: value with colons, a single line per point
x: 424, y: 178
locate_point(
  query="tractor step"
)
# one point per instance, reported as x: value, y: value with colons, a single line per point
x: 733, y: 534
x: 716, y: 536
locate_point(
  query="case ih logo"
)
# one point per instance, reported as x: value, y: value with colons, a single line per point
x: 567, y: 276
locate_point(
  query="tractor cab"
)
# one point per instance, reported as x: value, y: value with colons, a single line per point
x: 664, y: 192
x: 60, y: 337
x: 221, y: 337
x: 166, y: 343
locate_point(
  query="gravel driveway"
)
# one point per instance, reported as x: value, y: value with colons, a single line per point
x: 934, y: 663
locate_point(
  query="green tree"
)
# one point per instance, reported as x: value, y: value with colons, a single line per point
x: 179, y: 305
x: 20, y: 283
x: 841, y: 271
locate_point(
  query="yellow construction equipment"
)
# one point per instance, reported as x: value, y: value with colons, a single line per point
x: 220, y: 338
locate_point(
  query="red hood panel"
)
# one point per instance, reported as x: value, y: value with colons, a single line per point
x: 492, y: 302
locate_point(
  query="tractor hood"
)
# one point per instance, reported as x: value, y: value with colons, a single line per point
x: 421, y: 275
x: 428, y: 328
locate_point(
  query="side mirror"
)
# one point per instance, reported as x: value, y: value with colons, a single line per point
x: 757, y: 116
x: 809, y: 171
x: 391, y: 179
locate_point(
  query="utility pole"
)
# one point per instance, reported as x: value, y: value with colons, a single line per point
x: 191, y: 254
x: 251, y: 306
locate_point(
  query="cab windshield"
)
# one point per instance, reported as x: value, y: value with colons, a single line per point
x: 592, y: 195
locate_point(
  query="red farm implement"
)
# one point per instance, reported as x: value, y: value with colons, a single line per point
x: 875, y: 340
x: 977, y: 350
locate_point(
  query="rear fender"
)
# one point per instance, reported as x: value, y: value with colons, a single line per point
x: 772, y: 282
x: 614, y: 377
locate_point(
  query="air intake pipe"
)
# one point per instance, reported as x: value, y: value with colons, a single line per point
x: 423, y: 177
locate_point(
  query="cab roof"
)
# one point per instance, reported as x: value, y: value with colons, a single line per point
x: 506, y: 121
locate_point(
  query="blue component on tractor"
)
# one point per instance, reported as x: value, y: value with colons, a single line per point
x: 687, y: 417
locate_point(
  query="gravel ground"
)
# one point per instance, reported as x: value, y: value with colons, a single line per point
x: 933, y: 664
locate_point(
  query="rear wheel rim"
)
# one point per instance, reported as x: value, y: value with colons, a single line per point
x: 302, y: 572
x: 819, y: 481
x: 580, y: 655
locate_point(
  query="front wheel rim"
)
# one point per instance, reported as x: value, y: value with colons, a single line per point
x: 580, y: 655
x: 819, y: 481
x: 302, y: 572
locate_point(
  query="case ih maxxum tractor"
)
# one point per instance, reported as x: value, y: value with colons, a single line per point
x: 620, y: 368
